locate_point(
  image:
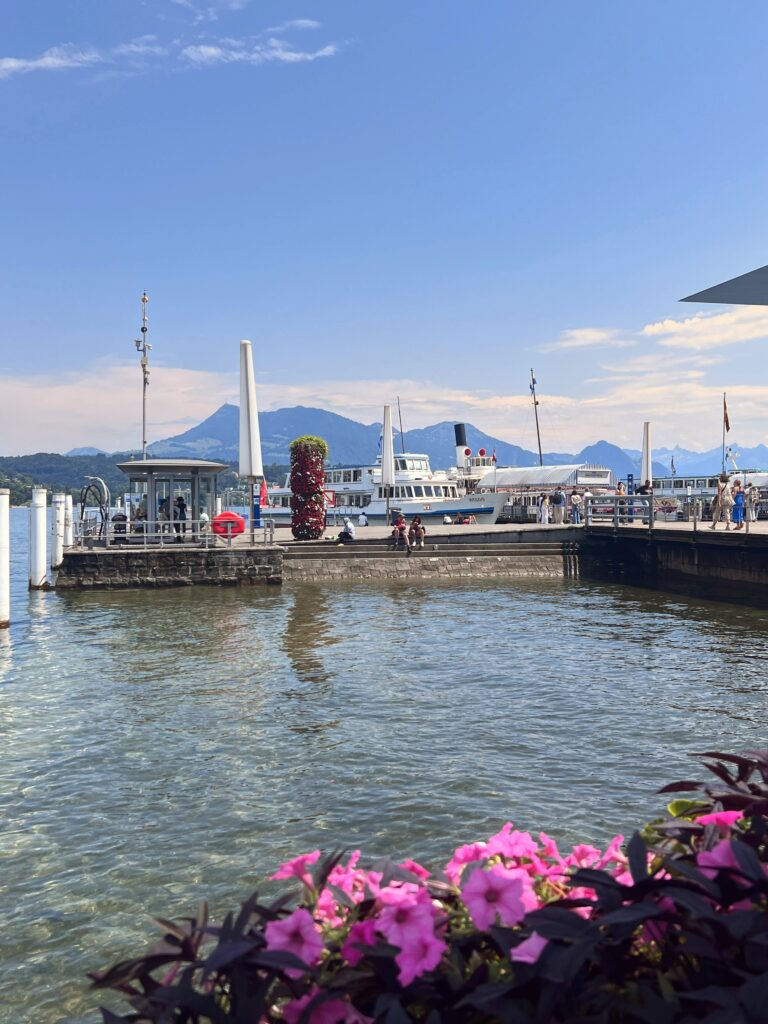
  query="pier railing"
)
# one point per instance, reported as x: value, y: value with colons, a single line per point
x: 94, y: 532
x: 650, y: 511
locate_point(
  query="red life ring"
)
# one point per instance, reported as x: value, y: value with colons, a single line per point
x: 219, y: 524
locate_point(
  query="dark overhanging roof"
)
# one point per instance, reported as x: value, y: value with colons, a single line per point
x: 747, y: 290
x: 178, y: 467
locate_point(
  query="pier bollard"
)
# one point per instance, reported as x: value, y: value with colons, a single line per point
x: 68, y: 527
x: 5, y: 558
x: 57, y: 546
x: 37, y: 545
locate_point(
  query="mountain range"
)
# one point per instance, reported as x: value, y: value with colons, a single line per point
x: 353, y: 443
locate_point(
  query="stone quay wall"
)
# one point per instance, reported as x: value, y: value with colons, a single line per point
x: 475, y: 560
x: 122, y: 568
x: 716, y: 566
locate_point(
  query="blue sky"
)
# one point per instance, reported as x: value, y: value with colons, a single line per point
x: 417, y: 199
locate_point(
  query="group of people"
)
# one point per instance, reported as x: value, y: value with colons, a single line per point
x: 167, y: 513
x: 408, y: 536
x: 557, y: 508
x: 733, y: 502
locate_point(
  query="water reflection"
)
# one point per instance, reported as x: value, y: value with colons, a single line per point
x: 6, y: 654
x: 172, y: 745
x: 308, y: 630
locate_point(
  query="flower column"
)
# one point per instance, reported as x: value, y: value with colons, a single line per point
x: 308, y: 455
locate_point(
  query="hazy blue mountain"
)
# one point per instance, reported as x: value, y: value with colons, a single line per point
x: 438, y: 442
x: 217, y: 437
x: 618, y: 459
x: 74, y: 452
x: 351, y: 442
x: 688, y: 463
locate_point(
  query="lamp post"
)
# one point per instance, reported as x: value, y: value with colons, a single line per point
x: 144, y: 347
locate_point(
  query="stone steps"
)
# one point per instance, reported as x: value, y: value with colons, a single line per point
x: 350, y: 552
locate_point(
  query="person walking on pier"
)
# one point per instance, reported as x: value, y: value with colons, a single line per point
x: 752, y: 497
x: 738, y: 505
x: 544, y: 509
x: 575, y: 507
x: 723, y: 503
x: 558, y: 506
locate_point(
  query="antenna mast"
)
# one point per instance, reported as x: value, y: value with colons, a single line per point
x: 400, y: 416
x: 143, y: 347
x: 536, y: 414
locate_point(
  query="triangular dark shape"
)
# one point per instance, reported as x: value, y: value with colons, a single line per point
x: 748, y: 290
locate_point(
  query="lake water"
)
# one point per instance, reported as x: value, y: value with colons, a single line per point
x: 160, y: 747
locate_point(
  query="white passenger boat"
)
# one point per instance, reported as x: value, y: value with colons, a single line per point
x: 418, y: 491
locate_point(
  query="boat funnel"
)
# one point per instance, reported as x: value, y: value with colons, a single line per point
x: 460, y: 433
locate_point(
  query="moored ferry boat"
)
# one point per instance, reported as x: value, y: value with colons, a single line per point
x: 418, y: 491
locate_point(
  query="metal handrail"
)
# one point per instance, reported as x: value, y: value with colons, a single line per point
x: 91, y: 531
x: 629, y: 509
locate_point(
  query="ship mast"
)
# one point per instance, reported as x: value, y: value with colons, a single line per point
x: 536, y: 414
x: 143, y: 347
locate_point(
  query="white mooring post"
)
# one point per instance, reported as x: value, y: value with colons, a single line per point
x: 57, y: 547
x: 217, y: 505
x: 37, y: 561
x: 5, y: 558
x: 68, y: 528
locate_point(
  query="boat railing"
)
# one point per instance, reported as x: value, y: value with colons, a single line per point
x: 118, y: 531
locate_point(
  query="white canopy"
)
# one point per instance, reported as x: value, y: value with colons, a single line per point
x: 546, y: 476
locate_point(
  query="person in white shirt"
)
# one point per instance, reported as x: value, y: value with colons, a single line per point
x: 347, y: 535
x: 362, y: 519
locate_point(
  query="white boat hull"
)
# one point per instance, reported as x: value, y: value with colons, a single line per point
x: 482, y: 508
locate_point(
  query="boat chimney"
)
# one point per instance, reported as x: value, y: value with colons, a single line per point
x: 460, y: 433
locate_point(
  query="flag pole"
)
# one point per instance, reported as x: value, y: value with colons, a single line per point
x: 724, y: 408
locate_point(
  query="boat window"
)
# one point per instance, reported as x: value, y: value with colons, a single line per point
x: 418, y: 492
x: 701, y: 483
x: 713, y: 482
x: 381, y: 492
x: 401, y: 463
x: 429, y: 491
x: 408, y: 491
x: 366, y: 500
x: 453, y: 493
x: 679, y: 484
x: 357, y: 474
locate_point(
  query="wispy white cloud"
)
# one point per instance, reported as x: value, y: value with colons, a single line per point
x: 589, y: 337
x: 142, y: 46
x: 298, y: 23
x: 57, y: 58
x: 147, y: 51
x: 709, y: 331
x: 235, y: 52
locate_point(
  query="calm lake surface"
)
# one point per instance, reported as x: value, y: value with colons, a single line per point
x: 162, y: 747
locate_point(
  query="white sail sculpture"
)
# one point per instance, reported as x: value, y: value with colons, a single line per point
x: 646, y: 462
x: 251, y: 466
x: 387, y: 456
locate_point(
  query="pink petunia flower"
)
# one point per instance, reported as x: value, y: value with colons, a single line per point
x: 725, y: 820
x: 330, y: 1011
x: 415, y: 868
x: 720, y: 856
x: 464, y: 855
x: 421, y: 954
x: 362, y: 933
x: 404, y: 922
x: 328, y: 910
x: 296, y: 934
x: 529, y: 951
x: 297, y: 868
x: 512, y: 844
x: 504, y: 893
